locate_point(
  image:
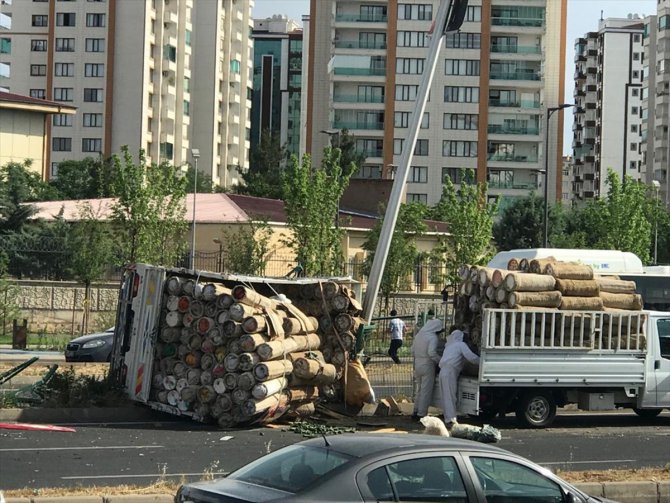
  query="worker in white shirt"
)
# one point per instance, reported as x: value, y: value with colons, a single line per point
x: 426, y: 359
x: 456, y: 353
x: 397, y: 330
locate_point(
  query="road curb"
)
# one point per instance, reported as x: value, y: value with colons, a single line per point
x: 84, y: 415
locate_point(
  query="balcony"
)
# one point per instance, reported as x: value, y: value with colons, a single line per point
x: 512, y: 185
x: 531, y: 75
x: 376, y: 152
x: 352, y: 98
x: 512, y: 158
x: 516, y: 49
x: 372, y: 72
x: 518, y: 21
x: 525, y: 104
x: 359, y: 18
x: 356, y: 44
x: 502, y: 129
x: 358, y: 125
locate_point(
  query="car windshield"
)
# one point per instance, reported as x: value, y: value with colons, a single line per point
x: 291, y: 469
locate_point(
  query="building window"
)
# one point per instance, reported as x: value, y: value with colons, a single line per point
x: 92, y: 120
x: 457, y: 148
x: 64, y: 45
x: 635, y: 92
x: 636, y: 74
x: 95, y: 20
x: 401, y: 119
x: 64, y: 69
x: 636, y: 37
x: 95, y: 45
x: 38, y: 93
x: 412, y: 39
x: 418, y: 174
x: 38, y: 45
x: 421, y: 147
x: 461, y: 67
x: 66, y: 19
x: 187, y: 108
x: 417, y: 198
x: 63, y: 93
x: 40, y: 20
x: 410, y: 66
x: 474, y: 14
x: 166, y: 150
x: 38, y: 70
x: 462, y: 40
x: 94, y: 95
x: 170, y: 53
x: 633, y: 147
x: 421, y: 12
x: 5, y: 45
x: 187, y: 37
x: 634, y: 110
x: 62, y: 120
x: 94, y: 70
x: 461, y: 121
x: 456, y: 94
x: 91, y: 145
x: 54, y: 165
x: 633, y: 128
x: 456, y: 175
x: 405, y: 92
x: 61, y: 144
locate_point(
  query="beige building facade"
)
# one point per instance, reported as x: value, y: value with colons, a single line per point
x: 488, y: 103
x: 163, y: 76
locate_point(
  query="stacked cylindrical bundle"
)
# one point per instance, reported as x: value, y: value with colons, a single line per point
x: 238, y: 357
x: 540, y: 284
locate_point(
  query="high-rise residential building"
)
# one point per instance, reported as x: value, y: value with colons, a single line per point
x: 494, y: 81
x: 568, y: 180
x: 275, y: 104
x: 655, y: 108
x: 163, y: 76
x: 608, y: 94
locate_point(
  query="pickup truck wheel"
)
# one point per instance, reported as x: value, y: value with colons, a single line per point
x: 536, y: 409
x: 647, y: 413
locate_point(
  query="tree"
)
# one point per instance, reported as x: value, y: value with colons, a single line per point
x: 402, y: 254
x: 149, y: 210
x: 23, y: 185
x: 469, y: 218
x: 311, y: 203
x: 88, y: 178
x: 246, y: 247
x: 351, y: 159
x: 265, y: 174
x: 205, y: 184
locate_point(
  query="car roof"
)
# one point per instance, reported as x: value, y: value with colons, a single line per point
x: 360, y: 445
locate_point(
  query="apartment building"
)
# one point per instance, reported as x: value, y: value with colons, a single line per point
x: 655, y: 109
x: 608, y: 93
x: 277, y: 81
x: 494, y: 81
x: 166, y: 76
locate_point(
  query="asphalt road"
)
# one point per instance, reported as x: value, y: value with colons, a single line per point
x: 140, y: 453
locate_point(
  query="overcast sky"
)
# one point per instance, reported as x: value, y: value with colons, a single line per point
x: 583, y: 16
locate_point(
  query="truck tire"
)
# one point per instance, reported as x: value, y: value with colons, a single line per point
x: 647, y: 413
x: 536, y: 409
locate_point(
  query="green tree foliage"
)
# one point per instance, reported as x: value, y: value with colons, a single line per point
x: 351, y: 159
x: 88, y: 178
x: 9, y: 308
x: 469, y: 219
x: 264, y: 177
x: 311, y: 203
x: 149, y: 210
x: 23, y: 185
x: 245, y: 247
x: 403, y: 254
x: 204, y: 181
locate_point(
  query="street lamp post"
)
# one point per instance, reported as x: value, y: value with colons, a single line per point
x: 657, y: 187
x: 195, y: 153
x: 550, y: 111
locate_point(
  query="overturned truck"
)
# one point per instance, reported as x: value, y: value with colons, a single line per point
x: 236, y: 350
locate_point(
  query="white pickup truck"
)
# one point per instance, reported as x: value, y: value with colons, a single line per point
x: 535, y: 361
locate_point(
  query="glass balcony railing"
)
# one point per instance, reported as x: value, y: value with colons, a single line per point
x: 511, y: 158
x: 502, y: 129
x: 516, y: 49
x: 358, y: 125
x: 352, y: 98
x: 378, y: 152
x: 518, y: 21
x: 512, y: 185
x: 517, y: 75
x: 527, y: 104
x: 361, y: 18
x: 356, y: 44
x: 344, y: 70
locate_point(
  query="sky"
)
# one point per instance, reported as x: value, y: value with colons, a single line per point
x: 583, y: 16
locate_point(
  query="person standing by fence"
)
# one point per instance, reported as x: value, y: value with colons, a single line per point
x: 397, y: 330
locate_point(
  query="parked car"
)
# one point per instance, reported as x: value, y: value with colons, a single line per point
x: 386, y: 467
x: 91, y: 348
